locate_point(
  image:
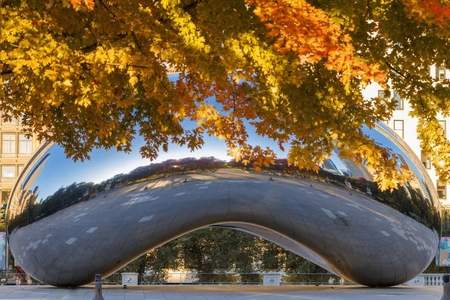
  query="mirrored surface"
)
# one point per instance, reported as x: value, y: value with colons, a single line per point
x: 63, y: 213
x: 52, y: 182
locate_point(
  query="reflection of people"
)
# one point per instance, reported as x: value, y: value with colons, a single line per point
x: 20, y: 275
x: 443, y: 257
x: 444, y: 252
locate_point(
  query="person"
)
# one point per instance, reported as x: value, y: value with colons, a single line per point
x: 20, y: 275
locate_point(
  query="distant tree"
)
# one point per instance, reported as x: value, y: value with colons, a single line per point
x: 86, y: 74
x: 214, y: 251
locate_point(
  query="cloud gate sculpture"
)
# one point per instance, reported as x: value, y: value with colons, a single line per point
x: 70, y: 220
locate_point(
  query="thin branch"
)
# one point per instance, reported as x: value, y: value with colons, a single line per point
x: 136, y: 41
x: 395, y: 70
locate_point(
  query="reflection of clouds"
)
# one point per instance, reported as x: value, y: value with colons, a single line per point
x: 105, y: 164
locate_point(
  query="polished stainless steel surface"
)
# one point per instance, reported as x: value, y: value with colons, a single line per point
x: 70, y: 220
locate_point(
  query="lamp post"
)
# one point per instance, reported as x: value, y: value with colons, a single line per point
x: 98, y: 287
x: 446, y: 295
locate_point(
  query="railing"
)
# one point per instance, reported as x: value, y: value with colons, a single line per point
x: 13, y: 278
x: 230, y: 278
x: 431, y: 279
x: 427, y: 279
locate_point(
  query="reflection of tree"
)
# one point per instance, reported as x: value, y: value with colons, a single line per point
x: 22, y: 213
x: 164, y: 168
x: 31, y: 210
x: 445, y: 222
x: 214, y: 252
x: 407, y: 199
x: 66, y: 196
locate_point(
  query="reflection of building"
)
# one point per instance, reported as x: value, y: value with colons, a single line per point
x: 405, y: 126
x: 16, y: 149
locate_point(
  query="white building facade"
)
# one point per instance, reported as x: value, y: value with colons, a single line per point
x: 406, y: 127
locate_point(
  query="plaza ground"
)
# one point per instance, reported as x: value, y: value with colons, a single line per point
x: 221, y: 293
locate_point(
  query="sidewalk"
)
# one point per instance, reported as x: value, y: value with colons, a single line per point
x: 234, y: 292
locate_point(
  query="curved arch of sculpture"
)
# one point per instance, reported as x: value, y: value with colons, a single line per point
x: 63, y: 233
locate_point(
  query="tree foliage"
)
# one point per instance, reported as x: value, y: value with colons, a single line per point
x: 87, y: 74
x: 212, y: 251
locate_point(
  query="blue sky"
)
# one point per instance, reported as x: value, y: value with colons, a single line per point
x: 60, y: 171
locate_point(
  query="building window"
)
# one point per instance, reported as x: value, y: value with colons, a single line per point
x: 399, y: 104
x: 399, y: 128
x: 25, y: 144
x: 440, y: 73
x: 442, y: 190
x: 8, y: 143
x: 8, y: 171
x: 426, y: 160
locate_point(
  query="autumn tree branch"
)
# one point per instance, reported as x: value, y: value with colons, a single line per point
x: 391, y: 67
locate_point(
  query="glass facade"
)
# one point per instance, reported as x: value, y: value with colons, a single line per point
x: 441, y: 73
x: 443, y: 124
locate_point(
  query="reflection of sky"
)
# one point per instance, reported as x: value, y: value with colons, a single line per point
x: 339, y: 163
x: 58, y: 171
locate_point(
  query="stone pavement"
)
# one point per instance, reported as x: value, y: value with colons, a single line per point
x: 221, y: 293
